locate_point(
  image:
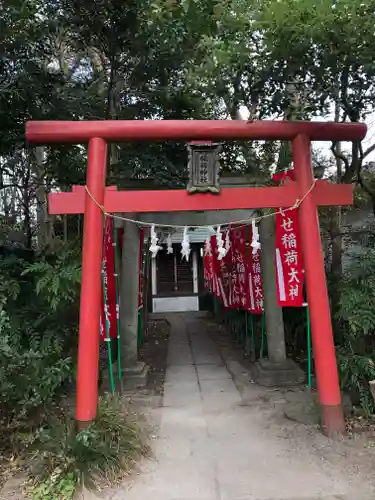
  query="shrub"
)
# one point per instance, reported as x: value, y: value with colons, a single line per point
x: 357, y: 306
x: 357, y: 318
x: 37, y: 335
x: 57, y: 278
x: 31, y: 370
x: 60, y: 460
x: 356, y: 370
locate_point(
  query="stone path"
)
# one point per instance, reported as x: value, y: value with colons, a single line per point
x: 212, y: 447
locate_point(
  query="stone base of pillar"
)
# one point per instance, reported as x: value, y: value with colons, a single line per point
x: 135, y: 377
x: 270, y: 374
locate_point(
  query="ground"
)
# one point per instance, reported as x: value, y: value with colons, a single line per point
x: 218, y: 436
x: 154, y: 353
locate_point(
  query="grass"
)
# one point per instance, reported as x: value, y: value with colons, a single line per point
x: 59, y: 460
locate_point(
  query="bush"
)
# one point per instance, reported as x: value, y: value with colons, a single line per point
x: 57, y: 278
x: 60, y: 460
x: 356, y: 317
x: 39, y: 299
x: 31, y: 370
x: 356, y: 370
x: 38, y: 333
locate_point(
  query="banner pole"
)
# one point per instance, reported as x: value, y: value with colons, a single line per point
x: 119, y: 368
x: 252, y: 334
x: 108, y: 338
x: 246, y: 332
x: 262, y: 336
x: 238, y: 326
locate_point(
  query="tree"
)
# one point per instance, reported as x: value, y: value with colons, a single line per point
x: 327, y: 47
x: 74, y: 60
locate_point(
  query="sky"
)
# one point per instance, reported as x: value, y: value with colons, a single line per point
x: 324, y: 147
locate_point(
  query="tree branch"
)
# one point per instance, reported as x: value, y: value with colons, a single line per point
x: 368, y: 151
x: 340, y: 156
x: 3, y: 186
x: 362, y: 183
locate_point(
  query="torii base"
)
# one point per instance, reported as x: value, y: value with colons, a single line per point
x: 287, y: 373
x: 332, y: 421
x: 135, y: 377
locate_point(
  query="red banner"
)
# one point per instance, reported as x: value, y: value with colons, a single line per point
x: 208, y: 272
x: 256, y: 297
x: 239, y: 278
x: 288, y: 255
x: 225, y: 270
x: 218, y: 281
x: 236, y: 280
x: 285, y: 175
x: 108, y: 310
x: 289, y: 269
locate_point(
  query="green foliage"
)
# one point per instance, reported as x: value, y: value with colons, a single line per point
x: 38, y: 337
x: 357, y: 318
x: 58, y: 281
x: 60, y: 460
x: 325, y: 46
x: 295, y: 328
x: 37, y: 340
x: 11, y: 268
x: 356, y: 370
x: 32, y: 368
x: 357, y: 307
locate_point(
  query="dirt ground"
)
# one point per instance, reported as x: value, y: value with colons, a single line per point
x: 154, y: 353
x: 206, y: 409
x: 355, y: 453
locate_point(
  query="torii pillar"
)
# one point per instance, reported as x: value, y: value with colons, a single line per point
x: 317, y: 294
x: 98, y: 133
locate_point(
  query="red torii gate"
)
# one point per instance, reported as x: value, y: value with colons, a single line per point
x: 98, y: 133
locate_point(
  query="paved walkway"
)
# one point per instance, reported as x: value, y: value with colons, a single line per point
x: 212, y: 448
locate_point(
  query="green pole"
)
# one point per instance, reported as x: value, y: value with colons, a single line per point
x: 238, y: 326
x: 252, y: 333
x: 246, y: 332
x: 243, y: 327
x: 119, y: 369
x: 262, y: 345
x: 309, y: 357
x: 108, y: 338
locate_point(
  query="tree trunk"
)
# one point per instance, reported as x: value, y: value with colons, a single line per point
x: 336, y: 256
x: 335, y: 232
x: 41, y: 195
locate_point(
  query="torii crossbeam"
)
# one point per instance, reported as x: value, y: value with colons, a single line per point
x: 179, y: 200
x: 98, y: 133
